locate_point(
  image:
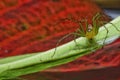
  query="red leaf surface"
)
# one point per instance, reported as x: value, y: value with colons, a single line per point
x: 29, y: 26
x: 34, y: 21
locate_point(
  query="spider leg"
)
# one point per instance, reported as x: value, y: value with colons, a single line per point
x: 75, y: 36
x: 96, y: 17
x: 105, y: 36
x: 81, y: 30
x: 105, y: 22
x: 64, y: 37
x: 94, y: 20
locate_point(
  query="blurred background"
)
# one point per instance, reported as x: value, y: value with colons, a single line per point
x: 111, y: 7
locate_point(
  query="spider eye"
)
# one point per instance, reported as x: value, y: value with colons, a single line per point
x: 90, y: 27
x: 89, y: 30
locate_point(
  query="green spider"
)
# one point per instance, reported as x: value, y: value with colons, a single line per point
x: 90, y: 32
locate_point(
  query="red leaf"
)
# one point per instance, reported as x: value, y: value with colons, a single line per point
x: 34, y: 21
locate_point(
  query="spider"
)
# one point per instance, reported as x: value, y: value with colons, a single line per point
x: 90, y: 30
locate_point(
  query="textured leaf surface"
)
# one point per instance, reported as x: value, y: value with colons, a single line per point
x: 27, y: 26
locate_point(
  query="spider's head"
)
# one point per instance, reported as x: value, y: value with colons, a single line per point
x: 90, y: 32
